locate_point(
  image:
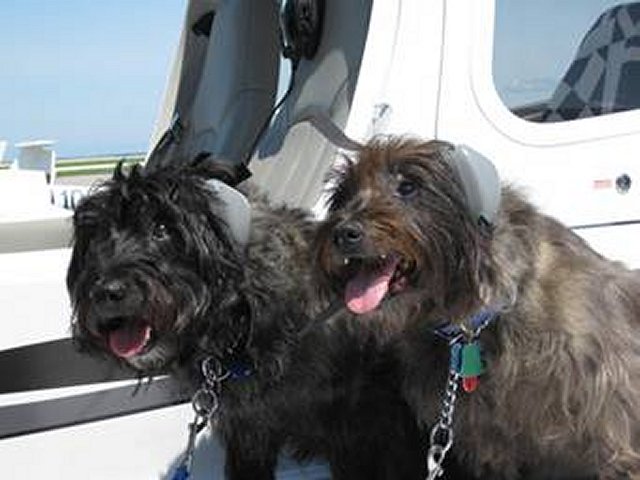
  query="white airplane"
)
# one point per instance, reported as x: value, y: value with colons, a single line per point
x: 548, y: 90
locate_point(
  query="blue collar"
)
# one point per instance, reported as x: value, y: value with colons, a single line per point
x: 235, y: 366
x: 240, y: 369
x: 453, y: 332
x: 466, y: 362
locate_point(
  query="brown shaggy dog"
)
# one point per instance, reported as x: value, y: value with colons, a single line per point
x: 560, y: 396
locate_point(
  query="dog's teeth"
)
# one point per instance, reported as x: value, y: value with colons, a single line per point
x: 346, y: 261
x: 383, y: 256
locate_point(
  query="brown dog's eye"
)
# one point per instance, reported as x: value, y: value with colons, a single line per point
x: 406, y: 188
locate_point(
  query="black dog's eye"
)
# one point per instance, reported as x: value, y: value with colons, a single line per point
x: 406, y: 188
x: 160, y: 232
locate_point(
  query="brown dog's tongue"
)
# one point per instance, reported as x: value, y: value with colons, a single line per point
x: 129, y: 340
x: 366, y: 290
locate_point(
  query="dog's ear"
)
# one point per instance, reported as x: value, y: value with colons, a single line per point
x: 338, y: 184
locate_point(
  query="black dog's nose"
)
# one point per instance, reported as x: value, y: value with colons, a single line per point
x: 113, y: 291
x: 111, y: 301
x: 348, y: 235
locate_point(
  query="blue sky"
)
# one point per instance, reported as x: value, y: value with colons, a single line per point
x: 535, y: 41
x: 89, y: 74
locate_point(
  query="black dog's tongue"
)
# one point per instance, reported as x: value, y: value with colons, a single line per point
x: 130, y: 339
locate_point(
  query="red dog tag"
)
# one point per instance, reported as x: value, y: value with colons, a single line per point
x: 469, y: 384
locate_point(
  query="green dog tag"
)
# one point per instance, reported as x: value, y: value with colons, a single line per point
x: 471, y: 360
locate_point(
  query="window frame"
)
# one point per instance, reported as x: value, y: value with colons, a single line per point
x: 519, y: 129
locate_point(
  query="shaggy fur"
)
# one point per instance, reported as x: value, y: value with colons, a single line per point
x: 561, y: 394
x: 157, y: 283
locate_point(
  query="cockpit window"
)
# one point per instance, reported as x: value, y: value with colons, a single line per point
x: 560, y: 61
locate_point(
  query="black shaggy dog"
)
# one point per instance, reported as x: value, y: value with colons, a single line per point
x: 559, y: 324
x: 158, y: 281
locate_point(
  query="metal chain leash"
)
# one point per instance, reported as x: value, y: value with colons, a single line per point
x: 441, y: 437
x: 461, y: 338
x: 206, y: 400
x: 205, y: 403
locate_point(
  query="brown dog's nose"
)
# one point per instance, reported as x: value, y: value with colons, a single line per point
x: 348, y: 236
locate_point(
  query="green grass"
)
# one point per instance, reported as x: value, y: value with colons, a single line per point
x: 112, y: 160
x: 98, y: 165
x: 84, y: 171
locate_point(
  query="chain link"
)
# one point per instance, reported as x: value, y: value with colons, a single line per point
x: 441, y: 437
x: 205, y: 403
x: 213, y: 372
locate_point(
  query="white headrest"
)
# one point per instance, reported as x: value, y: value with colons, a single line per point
x: 480, y: 180
x: 237, y: 212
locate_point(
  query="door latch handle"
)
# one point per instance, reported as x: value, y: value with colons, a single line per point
x: 623, y: 183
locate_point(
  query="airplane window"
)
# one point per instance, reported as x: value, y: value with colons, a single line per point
x: 560, y: 61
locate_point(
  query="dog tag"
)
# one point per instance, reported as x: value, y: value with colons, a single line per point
x: 471, y: 365
x: 469, y: 384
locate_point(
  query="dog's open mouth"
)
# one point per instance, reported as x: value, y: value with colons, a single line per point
x: 127, y: 338
x: 370, y: 280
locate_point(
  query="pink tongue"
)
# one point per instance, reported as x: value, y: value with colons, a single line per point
x: 366, y: 290
x: 129, y: 340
